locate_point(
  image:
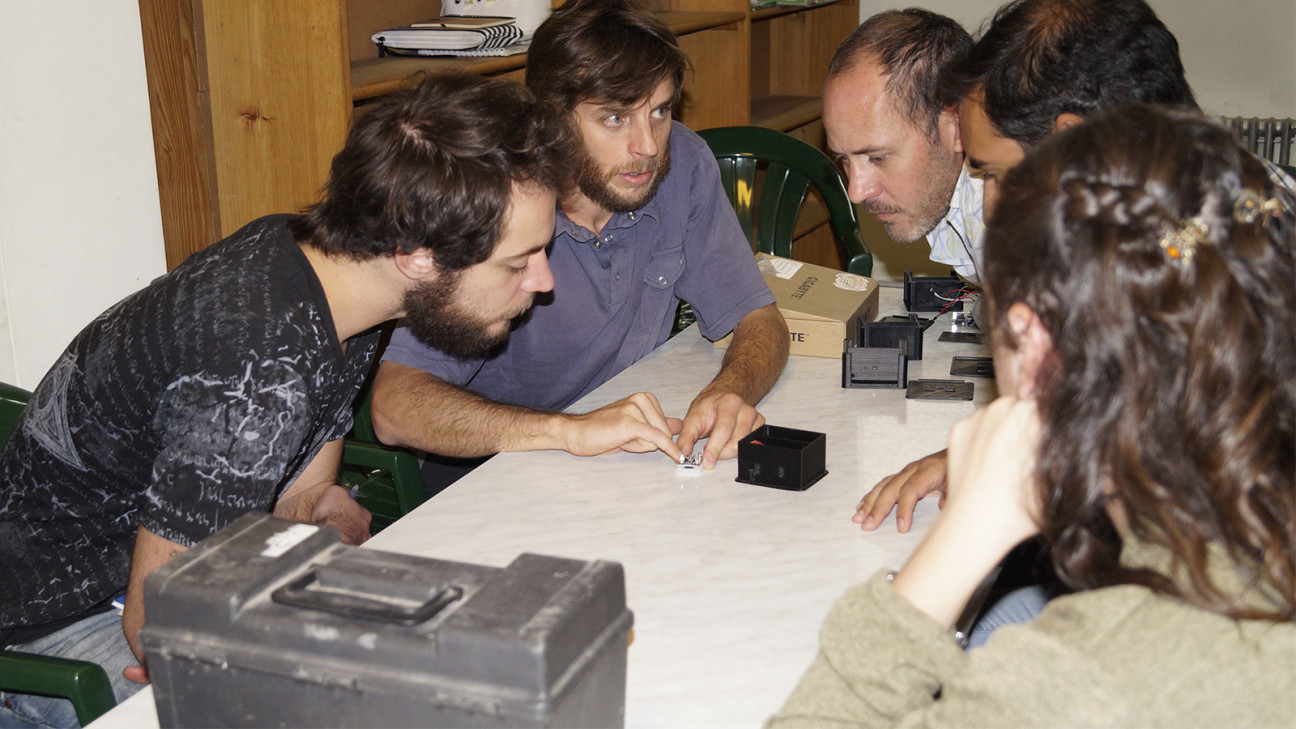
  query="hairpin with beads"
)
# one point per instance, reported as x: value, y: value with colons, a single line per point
x: 1181, y: 242
x: 1250, y: 206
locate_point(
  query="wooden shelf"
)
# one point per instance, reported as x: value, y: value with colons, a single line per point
x: 371, y: 77
x: 790, y: 51
x: 251, y: 100
x: 682, y: 22
x: 783, y: 112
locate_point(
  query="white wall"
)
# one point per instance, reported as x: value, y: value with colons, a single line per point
x: 80, y: 225
x: 1240, y: 57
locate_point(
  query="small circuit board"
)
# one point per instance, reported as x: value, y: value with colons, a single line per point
x: 691, y: 464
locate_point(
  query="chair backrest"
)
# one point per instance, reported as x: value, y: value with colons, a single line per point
x: 387, y: 481
x: 790, y: 166
x: 362, y: 425
x: 13, y: 400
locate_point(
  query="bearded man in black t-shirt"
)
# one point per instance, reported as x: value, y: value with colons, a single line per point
x: 226, y: 386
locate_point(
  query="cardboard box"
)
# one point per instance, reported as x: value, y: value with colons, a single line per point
x: 821, y: 305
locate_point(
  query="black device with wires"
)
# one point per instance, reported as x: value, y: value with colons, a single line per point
x: 934, y: 293
x: 885, y: 347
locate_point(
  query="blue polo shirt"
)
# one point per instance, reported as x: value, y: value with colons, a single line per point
x: 614, y: 296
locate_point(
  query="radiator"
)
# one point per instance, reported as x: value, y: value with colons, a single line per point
x: 1272, y: 139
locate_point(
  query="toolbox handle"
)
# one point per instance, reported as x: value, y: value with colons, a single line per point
x: 298, y: 594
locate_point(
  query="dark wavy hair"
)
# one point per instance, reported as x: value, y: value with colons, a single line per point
x: 433, y: 167
x: 912, y: 47
x: 1042, y: 58
x: 1171, y: 387
x: 603, y: 51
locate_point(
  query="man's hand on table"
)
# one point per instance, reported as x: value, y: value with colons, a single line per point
x: 635, y: 424
x: 336, y: 508
x: 723, y: 418
x: 902, y: 491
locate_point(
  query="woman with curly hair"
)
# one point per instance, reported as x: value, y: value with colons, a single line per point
x: 1142, y: 294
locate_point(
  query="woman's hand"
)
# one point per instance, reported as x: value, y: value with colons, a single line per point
x: 991, y: 505
x: 992, y: 467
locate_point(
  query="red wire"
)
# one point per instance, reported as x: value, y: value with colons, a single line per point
x: 964, y: 295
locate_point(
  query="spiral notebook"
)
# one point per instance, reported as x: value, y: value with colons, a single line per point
x: 451, y: 35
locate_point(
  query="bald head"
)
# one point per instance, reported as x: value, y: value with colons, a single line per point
x: 910, y: 48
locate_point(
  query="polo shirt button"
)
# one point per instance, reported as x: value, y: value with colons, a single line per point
x: 632, y: 215
x: 618, y: 277
x: 661, y: 280
x: 598, y: 244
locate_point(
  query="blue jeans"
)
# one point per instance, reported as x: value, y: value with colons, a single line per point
x: 1018, y: 606
x: 98, y: 639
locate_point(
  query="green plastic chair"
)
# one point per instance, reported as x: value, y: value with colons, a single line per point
x: 387, y: 481
x: 790, y: 166
x: 13, y: 400
x: 83, y: 683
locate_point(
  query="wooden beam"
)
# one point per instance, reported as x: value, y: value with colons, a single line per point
x: 181, y: 134
x: 279, y: 78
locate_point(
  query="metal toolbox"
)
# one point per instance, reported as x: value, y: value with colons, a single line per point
x: 271, y: 622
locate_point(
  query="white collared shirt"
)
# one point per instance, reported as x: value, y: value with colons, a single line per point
x: 957, y: 239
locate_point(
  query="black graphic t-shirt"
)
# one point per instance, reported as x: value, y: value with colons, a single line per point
x: 184, y: 406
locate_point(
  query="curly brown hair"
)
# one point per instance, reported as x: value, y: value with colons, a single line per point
x: 1171, y: 387
x: 434, y: 167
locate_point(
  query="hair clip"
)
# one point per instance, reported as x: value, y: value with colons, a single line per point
x: 1180, y: 243
x: 1250, y: 206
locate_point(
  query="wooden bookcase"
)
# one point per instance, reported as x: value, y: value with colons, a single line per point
x: 790, y: 51
x: 251, y: 100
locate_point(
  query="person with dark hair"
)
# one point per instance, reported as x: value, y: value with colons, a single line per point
x: 1041, y: 66
x: 645, y: 224
x: 226, y: 385
x: 898, y: 140
x: 1142, y: 299
x: 1045, y: 65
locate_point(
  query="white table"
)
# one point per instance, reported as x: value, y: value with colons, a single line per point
x: 728, y: 582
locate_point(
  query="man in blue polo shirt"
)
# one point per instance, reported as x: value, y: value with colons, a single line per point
x: 646, y: 222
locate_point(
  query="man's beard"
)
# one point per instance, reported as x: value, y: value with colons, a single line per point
x: 595, y: 182
x: 924, y: 216
x: 435, y: 318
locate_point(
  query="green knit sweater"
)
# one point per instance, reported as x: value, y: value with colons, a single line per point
x: 1116, y: 657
